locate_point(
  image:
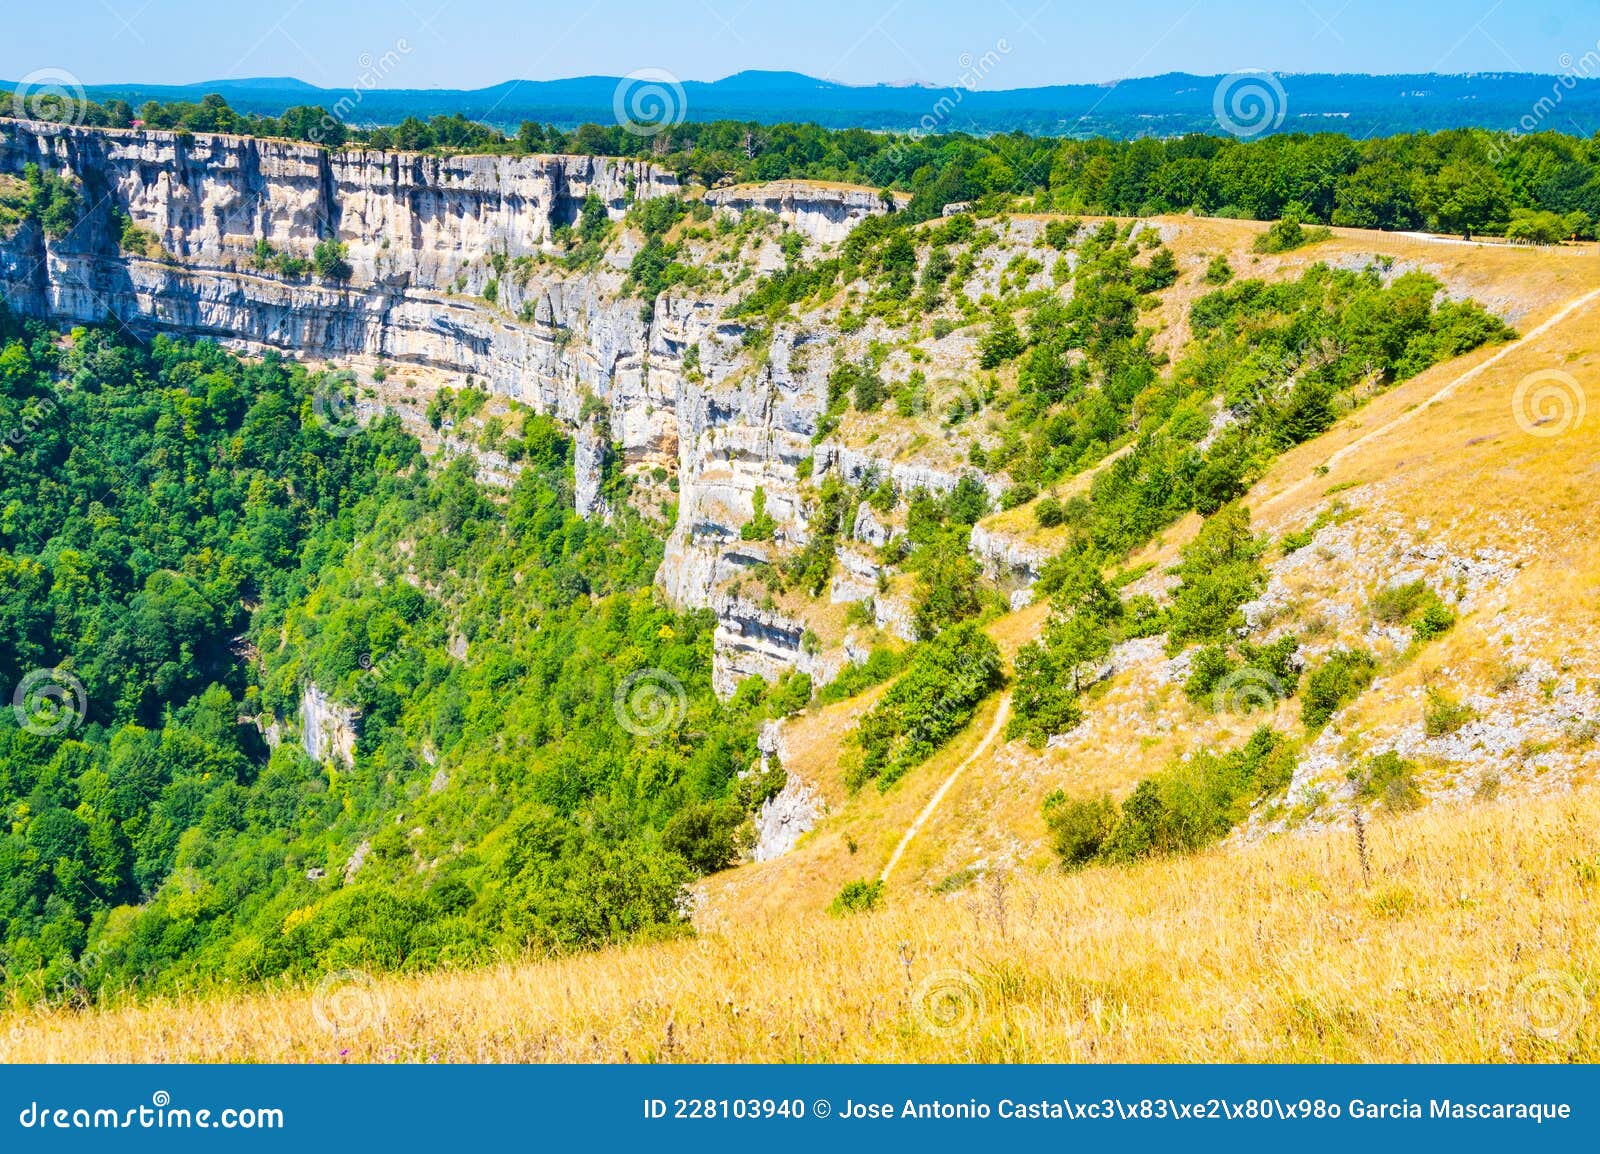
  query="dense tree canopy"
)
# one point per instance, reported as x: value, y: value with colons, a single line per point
x: 1459, y: 180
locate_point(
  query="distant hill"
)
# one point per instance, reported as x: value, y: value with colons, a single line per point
x: 1166, y: 105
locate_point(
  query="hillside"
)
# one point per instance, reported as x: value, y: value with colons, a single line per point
x: 940, y: 603
x: 1281, y: 953
x: 1443, y: 478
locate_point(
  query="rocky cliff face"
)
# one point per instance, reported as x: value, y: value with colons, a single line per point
x: 679, y: 385
x: 804, y: 208
x: 328, y: 730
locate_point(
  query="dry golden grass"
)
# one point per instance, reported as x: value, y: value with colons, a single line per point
x: 1474, y: 940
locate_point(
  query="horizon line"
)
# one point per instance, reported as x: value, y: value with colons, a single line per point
x: 885, y: 84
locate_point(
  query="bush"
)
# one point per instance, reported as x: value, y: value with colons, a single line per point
x: 1437, y: 618
x: 328, y: 258
x: 1142, y: 616
x: 1259, y: 676
x: 1210, y: 665
x: 857, y: 897
x: 708, y: 836
x: 1443, y: 714
x: 948, y: 584
x: 1058, y: 234
x: 760, y: 527
x: 1398, y: 603
x: 1414, y: 604
x: 1340, y: 679
x: 1049, y: 512
x: 881, y: 664
x: 1185, y: 807
x: 1287, y: 234
x: 1220, y: 571
x: 1079, y: 828
x: 1045, y: 701
x: 1390, y: 779
x: 1019, y: 494
x: 932, y: 702
x: 1219, y: 271
x: 1000, y: 344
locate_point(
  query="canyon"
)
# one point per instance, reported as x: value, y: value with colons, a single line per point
x: 454, y: 272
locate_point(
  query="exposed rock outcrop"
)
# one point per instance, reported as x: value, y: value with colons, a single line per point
x: 824, y: 213
x: 328, y: 730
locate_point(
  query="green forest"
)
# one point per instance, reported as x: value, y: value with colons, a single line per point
x: 1541, y: 186
x: 184, y: 544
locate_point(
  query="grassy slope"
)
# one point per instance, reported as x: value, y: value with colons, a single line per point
x: 1279, y: 953
x: 1273, y: 951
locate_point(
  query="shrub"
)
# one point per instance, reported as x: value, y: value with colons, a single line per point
x: 708, y: 836
x: 948, y: 583
x: 1219, y: 271
x: 1414, y: 604
x: 760, y: 527
x: 1079, y: 828
x: 932, y: 702
x: 328, y: 258
x: 1210, y: 666
x: 1142, y: 616
x: 881, y: 664
x: 1019, y: 494
x: 1339, y: 680
x: 1443, y: 714
x: 1397, y: 603
x: 1390, y: 779
x: 1220, y: 571
x: 1258, y: 677
x: 1000, y: 344
x: 1144, y: 827
x: 1183, y: 808
x: 1437, y: 618
x: 857, y: 897
x: 1058, y: 234
x: 1049, y: 512
x: 1045, y: 701
x: 1287, y: 234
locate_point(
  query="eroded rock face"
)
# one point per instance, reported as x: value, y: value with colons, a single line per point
x: 676, y: 386
x: 821, y: 213
x: 1003, y: 556
x: 328, y: 730
x: 754, y: 642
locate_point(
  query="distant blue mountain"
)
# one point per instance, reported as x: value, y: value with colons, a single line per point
x: 1166, y: 105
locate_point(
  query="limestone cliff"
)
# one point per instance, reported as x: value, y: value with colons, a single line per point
x: 454, y: 269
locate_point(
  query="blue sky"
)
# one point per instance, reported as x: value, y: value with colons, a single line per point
x: 474, y: 43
